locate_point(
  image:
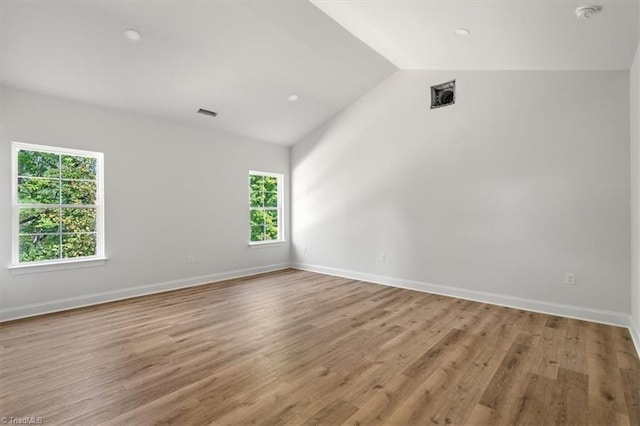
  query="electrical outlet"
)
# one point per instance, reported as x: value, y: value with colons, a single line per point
x: 570, y: 278
x: 191, y: 259
x: 382, y: 257
x: 304, y: 249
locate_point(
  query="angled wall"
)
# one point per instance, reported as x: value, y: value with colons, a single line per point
x: 495, y: 198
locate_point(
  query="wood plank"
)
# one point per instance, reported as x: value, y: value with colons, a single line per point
x: 606, y: 390
x: 570, y: 398
x: 333, y: 414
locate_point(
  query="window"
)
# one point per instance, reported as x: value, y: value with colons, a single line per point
x: 57, y: 203
x: 265, y: 207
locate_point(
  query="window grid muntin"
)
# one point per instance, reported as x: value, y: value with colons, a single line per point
x: 98, y: 224
x: 278, y: 209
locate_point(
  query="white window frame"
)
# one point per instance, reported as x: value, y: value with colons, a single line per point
x: 99, y: 257
x: 280, y: 208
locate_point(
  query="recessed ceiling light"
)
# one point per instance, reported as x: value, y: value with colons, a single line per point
x: 293, y: 98
x: 463, y: 31
x: 133, y: 36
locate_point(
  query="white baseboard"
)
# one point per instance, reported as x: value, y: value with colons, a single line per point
x: 569, y: 311
x: 635, y: 334
x: 127, y: 293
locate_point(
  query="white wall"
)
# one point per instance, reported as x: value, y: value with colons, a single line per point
x: 635, y: 195
x: 171, y: 191
x: 524, y: 179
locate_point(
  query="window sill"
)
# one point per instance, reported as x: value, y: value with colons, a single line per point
x: 35, y: 268
x: 263, y: 244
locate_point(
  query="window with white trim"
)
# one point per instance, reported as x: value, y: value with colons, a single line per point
x: 265, y: 207
x: 58, y: 208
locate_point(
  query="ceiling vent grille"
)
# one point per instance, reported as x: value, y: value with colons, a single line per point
x: 207, y: 112
x: 443, y: 94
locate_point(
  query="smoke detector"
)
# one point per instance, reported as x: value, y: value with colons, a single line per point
x: 586, y: 12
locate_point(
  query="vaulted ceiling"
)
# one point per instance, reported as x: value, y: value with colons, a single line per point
x: 240, y: 59
x: 504, y: 35
x: 243, y: 59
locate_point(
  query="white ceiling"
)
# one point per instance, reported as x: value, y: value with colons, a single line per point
x: 505, y: 35
x: 241, y: 59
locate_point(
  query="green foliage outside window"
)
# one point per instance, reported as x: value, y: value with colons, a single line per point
x: 263, y: 207
x: 57, y: 194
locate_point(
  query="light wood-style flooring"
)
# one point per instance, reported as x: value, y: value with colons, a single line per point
x: 300, y: 348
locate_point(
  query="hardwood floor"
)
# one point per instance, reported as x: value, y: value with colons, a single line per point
x: 299, y: 348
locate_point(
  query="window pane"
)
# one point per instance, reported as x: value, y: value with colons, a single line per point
x: 38, y: 191
x: 257, y: 217
x: 271, y: 217
x: 271, y: 232
x: 78, y: 220
x: 257, y: 199
x: 271, y: 199
x: 40, y: 164
x: 265, y: 207
x: 78, y: 167
x: 271, y: 225
x: 78, y: 192
x: 256, y: 183
x: 39, y: 221
x: 270, y: 184
x: 257, y: 233
x: 46, y: 181
x: 39, y: 247
x: 78, y: 245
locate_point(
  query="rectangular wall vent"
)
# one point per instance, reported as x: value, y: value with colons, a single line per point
x: 443, y: 94
x: 207, y: 112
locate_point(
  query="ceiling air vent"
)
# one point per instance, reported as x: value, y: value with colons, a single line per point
x: 443, y: 94
x: 207, y: 112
